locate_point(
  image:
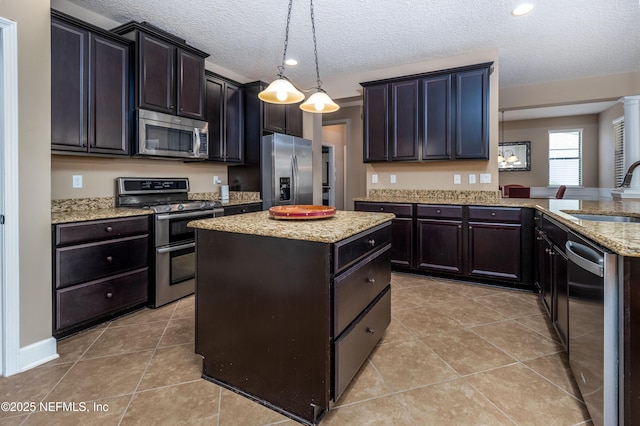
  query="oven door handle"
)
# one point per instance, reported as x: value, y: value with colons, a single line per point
x: 175, y: 248
x: 183, y: 215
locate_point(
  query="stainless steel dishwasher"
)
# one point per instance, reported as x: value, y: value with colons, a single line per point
x: 593, y: 327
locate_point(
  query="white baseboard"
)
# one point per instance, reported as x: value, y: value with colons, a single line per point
x: 38, y: 353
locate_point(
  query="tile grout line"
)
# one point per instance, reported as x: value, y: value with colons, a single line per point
x: 133, y: 394
x: 67, y: 372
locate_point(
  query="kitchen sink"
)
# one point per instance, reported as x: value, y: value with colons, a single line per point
x: 606, y: 218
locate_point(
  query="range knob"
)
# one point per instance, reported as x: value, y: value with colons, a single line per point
x: 203, y: 205
x: 167, y: 208
x: 180, y: 207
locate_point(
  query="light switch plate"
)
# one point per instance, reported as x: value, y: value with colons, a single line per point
x: 472, y: 178
x: 77, y: 181
x: 456, y: 179
x: 485, y: 177
x: 392, y: 178
x: 374, y: 178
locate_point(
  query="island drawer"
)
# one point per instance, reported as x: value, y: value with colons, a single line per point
x: 400, y: 210
x: 355, y: 288
x: 97, y: 298
x: 352, y: 249
x: 440, y: 212
x: 353, y: 348
x: 86, y: 262
x: 74, y: 233
x: 498, y: 214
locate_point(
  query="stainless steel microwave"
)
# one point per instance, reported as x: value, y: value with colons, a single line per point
x: 170, y: 136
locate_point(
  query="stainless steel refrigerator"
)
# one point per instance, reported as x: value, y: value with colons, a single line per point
x: 287, y: 171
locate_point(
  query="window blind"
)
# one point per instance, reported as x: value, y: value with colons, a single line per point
x: 565, y: 157
x: 618, y: 155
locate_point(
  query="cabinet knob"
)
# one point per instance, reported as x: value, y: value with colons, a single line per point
x: 109, y: 295
x: 438, y: 211
x: 371, y: 330
x: 381, y: 209
x: 493, y: 213
x: 371, y: 280
x: 109, y: 258
x: 371, y: 242
x: 547, y: 250
x: 109, y: 229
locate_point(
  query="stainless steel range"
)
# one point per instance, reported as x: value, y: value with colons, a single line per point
x: 174, y: 242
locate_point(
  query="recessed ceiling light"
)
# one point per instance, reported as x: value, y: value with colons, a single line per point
x: 523, y: 9
x: 291, y: 62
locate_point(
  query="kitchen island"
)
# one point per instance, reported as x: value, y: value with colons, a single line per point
x: 287, y: 311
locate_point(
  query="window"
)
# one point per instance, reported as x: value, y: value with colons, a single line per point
x: 565, y: 157
x: 618, y: 154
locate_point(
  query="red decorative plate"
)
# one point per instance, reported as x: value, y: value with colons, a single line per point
x: 301, y: 212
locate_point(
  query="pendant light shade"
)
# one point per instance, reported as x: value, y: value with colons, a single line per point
x: 281, y: 91
x: 319, y: 102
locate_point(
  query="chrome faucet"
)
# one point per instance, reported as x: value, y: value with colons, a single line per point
x: 627, y: 178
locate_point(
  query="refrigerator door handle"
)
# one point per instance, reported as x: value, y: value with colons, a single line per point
x: 295, y: 179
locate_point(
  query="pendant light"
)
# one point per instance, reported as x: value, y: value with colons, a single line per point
x: 281, y: 91
x: 319, y: 102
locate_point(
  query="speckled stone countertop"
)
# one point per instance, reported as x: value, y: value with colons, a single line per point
x: 621, y: 238
x: 83, y: 209
x: 328, y: 230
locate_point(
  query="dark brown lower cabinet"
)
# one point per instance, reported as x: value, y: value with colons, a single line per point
x: 440, y: 242
x: 286, y: 322
x: 100, y: 270
x: 552, y: 274
x: 402, y: 233
x: 477, y: 243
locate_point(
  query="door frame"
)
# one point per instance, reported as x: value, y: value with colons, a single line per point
x: 331, y: 174
x: 345, y: 159
x: 9, y: 200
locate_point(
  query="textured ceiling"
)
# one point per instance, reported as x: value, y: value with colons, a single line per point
x: 559, y: 40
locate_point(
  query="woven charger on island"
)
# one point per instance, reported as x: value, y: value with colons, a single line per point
x: 301, y: 212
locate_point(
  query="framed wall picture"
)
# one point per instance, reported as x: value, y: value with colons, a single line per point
x: 514, y: 156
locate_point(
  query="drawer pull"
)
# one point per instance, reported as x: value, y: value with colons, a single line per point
x: 371, y: 242
x: 109, y: 229
x: 493, y: 213
x: 381, y: 209
x: 109, y: 258
x: 438, y: 211
x: 109, y: 295
x: 371, y: 280
x: 371, y: 330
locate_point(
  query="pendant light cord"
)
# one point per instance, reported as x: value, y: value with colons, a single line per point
x: 315, y: 46
x: 286, y: 42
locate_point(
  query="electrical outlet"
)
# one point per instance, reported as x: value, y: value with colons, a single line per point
x: 456, y: 179
x: 392, y: 178
x: 374, y: 178
x: 77, y: 181
x: 485, y: 177
x: 472, y: 178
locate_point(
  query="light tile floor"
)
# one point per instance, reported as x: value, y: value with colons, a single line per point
x: 454, y: 354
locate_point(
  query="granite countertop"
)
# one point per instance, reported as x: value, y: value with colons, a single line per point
x: 621, y: 238
x: 83, y: 209
x: 84, y: 215
x: 327, y: 230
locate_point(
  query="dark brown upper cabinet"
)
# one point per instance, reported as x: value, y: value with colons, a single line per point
x: 169, y: 73
x: 440, y: 115
x: 285, y: 119
x: 225, y: 115
x: 90, y: 98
